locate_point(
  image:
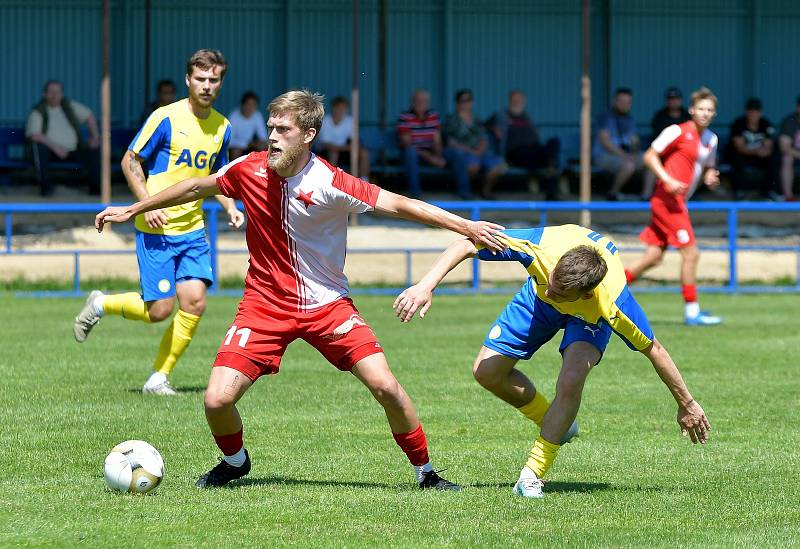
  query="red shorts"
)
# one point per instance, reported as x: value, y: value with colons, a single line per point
x: 259, y: 335
x: 669, y: 224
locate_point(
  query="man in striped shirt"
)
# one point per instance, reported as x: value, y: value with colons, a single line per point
x: 420, y: 136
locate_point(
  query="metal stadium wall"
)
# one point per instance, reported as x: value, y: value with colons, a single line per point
x: 737, y: 47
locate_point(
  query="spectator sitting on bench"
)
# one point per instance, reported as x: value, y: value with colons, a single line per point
x: 336, y: 134
x: 54, y: 131
x: 789, y: 142
x: 165, y: 95
x: 750, y: 150
x: 616, y: 148
x: 467, y: 149
x: 518, y: 140
x: 419, y: 133
x: 248, y: 128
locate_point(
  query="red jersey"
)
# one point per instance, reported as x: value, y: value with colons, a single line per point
x: 684, y: 154
x: 296, y: 228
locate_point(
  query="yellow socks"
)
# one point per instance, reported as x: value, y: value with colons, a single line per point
x: 128, y: 306
x: 175, y: 340
x: 535, y: 409
x: 541, y: 457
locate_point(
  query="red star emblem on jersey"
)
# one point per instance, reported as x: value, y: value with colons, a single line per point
x: 306, y: 199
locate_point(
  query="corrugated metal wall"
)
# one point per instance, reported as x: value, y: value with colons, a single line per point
x: 737, y: 47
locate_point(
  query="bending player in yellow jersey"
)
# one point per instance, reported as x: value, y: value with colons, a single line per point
x: 577, y: 284
x: 185, y: 139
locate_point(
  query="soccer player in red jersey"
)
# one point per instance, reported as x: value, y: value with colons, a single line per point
x: 680, y: 156
x: 297, y: 208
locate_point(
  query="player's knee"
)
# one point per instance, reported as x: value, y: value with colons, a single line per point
x: 216, y: 402
x: 388, y: 393
x: 691, y: 255
x: 195, y: 306
x: 570, y: 385
x: 484, y: 375
x: 160, y: 310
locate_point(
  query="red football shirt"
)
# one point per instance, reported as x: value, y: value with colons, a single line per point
x: 296, y: 228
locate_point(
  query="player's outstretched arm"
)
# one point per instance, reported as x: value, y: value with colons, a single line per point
x: 397, y: 205
x: 180, y: 193
x: 691, y: 417
x: 419, y: 296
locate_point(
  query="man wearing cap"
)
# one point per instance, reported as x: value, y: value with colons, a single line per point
x: 789, y: 142
x: 673, y: 113
x: 750, y: 150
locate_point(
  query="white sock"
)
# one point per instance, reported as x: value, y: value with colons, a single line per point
x: 237, y: 459
x: 527, y: 473
x: 420, y: 469
x: 692, y: 309
x: 97, y: 305
x: 156, y: 378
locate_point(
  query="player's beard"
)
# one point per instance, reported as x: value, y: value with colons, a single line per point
x: 287, y: 158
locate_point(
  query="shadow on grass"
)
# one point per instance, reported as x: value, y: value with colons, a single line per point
x: 191, y: 389
x: 556, y: 486
x: 289, y: 481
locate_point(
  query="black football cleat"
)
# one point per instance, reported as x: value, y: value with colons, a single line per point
x: 223, y: 473
x: 432, y: 481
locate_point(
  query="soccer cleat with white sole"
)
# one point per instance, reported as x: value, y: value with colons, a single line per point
x: 529, y: 487
x: 703, y: 319
x: 164, y: 389
x: 571, y: 433
x: 87, y: 318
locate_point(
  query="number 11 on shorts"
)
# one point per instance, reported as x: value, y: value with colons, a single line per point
x: 243, y: 333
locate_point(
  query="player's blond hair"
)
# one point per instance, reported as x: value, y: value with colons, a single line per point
x: 206, y: 59
x: 307, y: 107
x: 582, y: 268
x: 703, y: 93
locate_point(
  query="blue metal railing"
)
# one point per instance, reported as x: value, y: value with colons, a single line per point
x: 473, y: 210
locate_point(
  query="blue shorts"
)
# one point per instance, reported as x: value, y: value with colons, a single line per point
x: 527, y: 323
x: 165, y: 260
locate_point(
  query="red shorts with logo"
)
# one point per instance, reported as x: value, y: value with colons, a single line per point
x: 259, y: 335
x: 669, y: 223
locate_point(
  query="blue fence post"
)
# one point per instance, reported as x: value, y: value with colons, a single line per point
x: 213, y: 241
x: 797, y: 277
x: 8, y: 232
x: 733, y: 282
x: 475, y: 214
x: 76, y: 274
x: 409, y: 277
x: 543, y: 218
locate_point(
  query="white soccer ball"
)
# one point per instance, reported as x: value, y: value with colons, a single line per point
x: 133, y: 466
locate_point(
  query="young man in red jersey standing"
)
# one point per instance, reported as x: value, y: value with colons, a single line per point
x: 298, y: 206
x: 680, y: 156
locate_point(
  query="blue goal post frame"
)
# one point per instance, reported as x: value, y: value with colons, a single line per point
x: 471, y: 209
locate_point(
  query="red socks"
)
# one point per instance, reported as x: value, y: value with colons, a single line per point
x: 230, y: 444
x: 629, y: 276
x: 689, y: 293
x: 413, y: 444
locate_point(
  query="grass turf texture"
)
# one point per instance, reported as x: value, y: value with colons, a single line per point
x: 326, y: 472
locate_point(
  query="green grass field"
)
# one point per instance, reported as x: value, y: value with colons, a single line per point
x: 326, y: 472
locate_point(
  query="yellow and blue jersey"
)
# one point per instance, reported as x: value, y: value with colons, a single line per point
x: 177, y: 145
x: 539, y: 249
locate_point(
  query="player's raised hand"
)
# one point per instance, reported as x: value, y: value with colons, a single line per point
x: 112, y: 214
x: 236, y: 218
x: 485, y: 232
x: 694, y: 423
x: 413, y: 299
